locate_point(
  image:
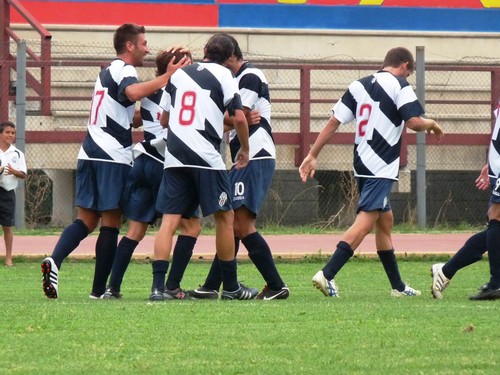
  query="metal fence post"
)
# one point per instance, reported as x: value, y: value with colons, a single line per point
x: 421, y: 168
x: 20, y: 221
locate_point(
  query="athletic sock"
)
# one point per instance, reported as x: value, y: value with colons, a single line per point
x: 214, y: 277
x: 124, y: 251
x: 471, y: 252
x: 229, y: 275
x: 340, y: 257
x: 160, y: 269
x: 493, y: 246
x: 260, y: 254
x: 105, y: 250
x: 388, y: 259
x: 69, y: 240
x: 183, y: 251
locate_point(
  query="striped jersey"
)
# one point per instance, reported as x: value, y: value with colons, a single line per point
x: 199, y: 95
x: 109, y: 131
x: 254, y: 92
x: 379, y: 104
x: 494, y: 150
x: 154, y: 134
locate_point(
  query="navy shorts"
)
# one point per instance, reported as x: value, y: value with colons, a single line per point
x: 7, y: 207
x: 183, y: 189
x: 250, y: 184
x: 100, y: 185
x: 374, y: 194
x: 141, y: 191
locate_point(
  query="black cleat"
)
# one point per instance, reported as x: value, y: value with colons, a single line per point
x: 267, y: 294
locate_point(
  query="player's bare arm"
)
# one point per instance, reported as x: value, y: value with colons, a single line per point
x: 418, y: 124
x: 241, y: 127
x: 309, y: 164
x: 140, y: 90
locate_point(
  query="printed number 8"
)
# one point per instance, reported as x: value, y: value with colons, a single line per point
x: 188, y: 103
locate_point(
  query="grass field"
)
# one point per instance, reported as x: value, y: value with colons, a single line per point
x: 366, y: 331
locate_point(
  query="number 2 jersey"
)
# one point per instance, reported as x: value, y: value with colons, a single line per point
x: 109, y: 130
x: 199, y: 95
x: 380, y: 104
x: 254, y: 91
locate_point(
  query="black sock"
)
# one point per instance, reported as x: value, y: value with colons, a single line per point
x: 69, y: 240
x: 493, y: 246
x: 229, y: 275
x: 471, y: 252
x: 105, y: 249
x: 160, y: 269
x: 123, y: 255
x: 340, y: 257
x: 214, y: 277
x: 260, y: 254
x: 388, y: 259
x: 183, y: 251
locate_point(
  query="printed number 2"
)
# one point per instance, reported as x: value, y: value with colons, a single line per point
x: 188, y: 103
x: 364, y: 113
x: 95, y: 105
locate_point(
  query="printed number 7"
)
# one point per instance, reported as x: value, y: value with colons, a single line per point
x: 95, y: 105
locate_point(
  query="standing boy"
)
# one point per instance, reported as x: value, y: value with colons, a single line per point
x: 12, y: 168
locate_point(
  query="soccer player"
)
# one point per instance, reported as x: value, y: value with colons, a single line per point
x: 12, y: 168
x: 195, y: 173
x: 250, y: 184
x: 142, y: 190
x: 105, y: 158
x: 381, y: 105
x: 489, y: 239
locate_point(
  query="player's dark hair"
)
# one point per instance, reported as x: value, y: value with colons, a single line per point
x: 397, y: 56
x: 237, y: 50
x: 163, y: 59
x: 219, y: 48
x: 6, y: 124
x: 128, y: 32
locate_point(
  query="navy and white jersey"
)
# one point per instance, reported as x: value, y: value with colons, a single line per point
x: 380, y: 104
x: 109, y: 130
x: 154, y: 134
x: 199, y: 95
x: 254, y: 92
x: 494, y: 151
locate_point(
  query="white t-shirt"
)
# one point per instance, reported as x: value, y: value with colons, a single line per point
x: 14, y: 157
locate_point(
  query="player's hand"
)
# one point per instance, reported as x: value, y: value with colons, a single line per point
x: 437, y: 130
x: 253, y: 117
x: 179, y: 48
x: 307, y: 168
x: 242, y: 159
x: 483, y: 181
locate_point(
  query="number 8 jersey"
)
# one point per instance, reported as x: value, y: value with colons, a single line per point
x: 109, y: 131
x: 198, y: 96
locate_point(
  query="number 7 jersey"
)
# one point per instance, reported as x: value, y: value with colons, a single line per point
x: 198, y: 96
x: 109, y: 131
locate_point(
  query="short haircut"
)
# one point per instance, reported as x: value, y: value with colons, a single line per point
x: 128, y: 32
x: 219, y: 48
x: 237, y: 51
x: 6, y: 124
x: 163, y: 59
x: 397, y: 56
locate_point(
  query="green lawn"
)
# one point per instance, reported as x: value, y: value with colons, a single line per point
x: 366, y: 331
